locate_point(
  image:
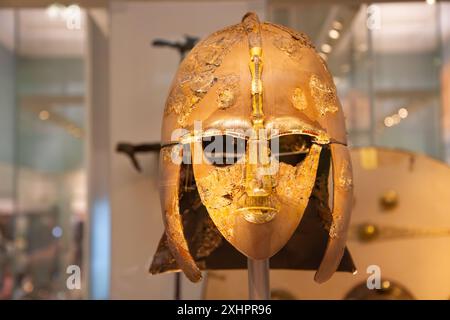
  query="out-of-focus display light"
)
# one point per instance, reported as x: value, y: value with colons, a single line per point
x: 430, y: 2
x: 44, y: 115
x: 386, y: 284
x: 396, y: 118
x: 70, y: 14
x: 79, y: 206
x: 70, y: 127
x: 57, y: 232
x: 28, y: 286
x: 326, y: 48
x: 388, y: 122
x: 333, y: 34
x: 337, y: 25
x: 54, y: 10
x: 403, y: 113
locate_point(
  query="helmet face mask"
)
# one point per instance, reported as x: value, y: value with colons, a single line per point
x: 258, y: 215
x: 251, y: 109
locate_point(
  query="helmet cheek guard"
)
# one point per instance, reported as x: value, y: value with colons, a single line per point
x: 342, y: 207
x: 169, y: 193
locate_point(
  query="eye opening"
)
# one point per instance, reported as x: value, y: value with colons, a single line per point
x: 223, y: 150
x: 290, y: 149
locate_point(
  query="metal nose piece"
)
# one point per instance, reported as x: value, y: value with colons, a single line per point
x: 258, y: 209
x: 258, y: 181
x: 257, y: 206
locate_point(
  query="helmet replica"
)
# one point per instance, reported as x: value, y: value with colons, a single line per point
x: 262, y: 91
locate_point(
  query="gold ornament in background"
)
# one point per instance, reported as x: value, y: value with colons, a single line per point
x: 281, y: 294
x: 389, y: 200
x: 369, y: 232
x: 368, y: 158
x: 390, y: 290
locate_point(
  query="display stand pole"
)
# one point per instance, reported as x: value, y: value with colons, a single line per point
x: 177, y: 286
x: 258, y: 279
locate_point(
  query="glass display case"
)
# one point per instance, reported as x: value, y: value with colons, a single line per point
x: 42, y: 169
x: 388, y: 60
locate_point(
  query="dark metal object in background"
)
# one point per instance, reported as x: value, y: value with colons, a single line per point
x: 182, y: 47
x: 131, y: 149
x: 389, y: 290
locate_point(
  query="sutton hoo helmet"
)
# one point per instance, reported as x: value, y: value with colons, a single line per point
x: 251, y: 125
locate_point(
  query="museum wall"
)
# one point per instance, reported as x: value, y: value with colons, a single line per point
x: 7, y: 110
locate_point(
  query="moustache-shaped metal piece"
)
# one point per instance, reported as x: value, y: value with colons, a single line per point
x: 211, y: 251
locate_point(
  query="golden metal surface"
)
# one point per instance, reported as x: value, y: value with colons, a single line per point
x: 299, y: 99
x: 324, y: 96
x: 195, y: 76
x: 345, y: 178
x: 369, y: 232
x: 200, y: 89
x: 228, y: 91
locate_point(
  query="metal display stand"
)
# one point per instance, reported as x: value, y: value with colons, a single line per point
x: 258, y: 279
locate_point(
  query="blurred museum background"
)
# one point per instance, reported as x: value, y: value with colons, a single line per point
x: 79, y: 77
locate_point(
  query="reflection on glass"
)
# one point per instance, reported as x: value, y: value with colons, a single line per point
x: 7, y: 154
x: 406, y: 50
x: 387, y: 63
x: 48, y: 185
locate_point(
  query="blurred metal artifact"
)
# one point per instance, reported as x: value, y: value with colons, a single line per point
x: 389, y: 200
x: 389, y: 290
x: 131, y: 150
x: 182, y: 47
x: 368, y: 232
